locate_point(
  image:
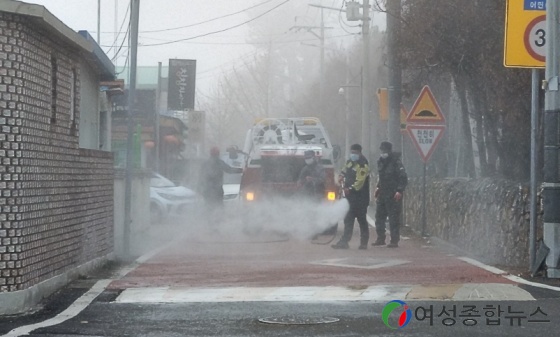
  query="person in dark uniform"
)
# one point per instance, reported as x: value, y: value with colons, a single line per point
x: 312, y: 177
x: 213, y: 179
x: 355, y: 177
x: 389, y: 192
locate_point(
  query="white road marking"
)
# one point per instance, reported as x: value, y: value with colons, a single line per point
x: 261, y: 294
x: 72, y: 311
x: 373, y: 263
x: 492, y: 292
x: 379, y: 293
x: 507, y: 275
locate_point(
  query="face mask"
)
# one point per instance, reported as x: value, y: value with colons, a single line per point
x: 354, y: 157
x: 384, y: 155
x: 309, y: 161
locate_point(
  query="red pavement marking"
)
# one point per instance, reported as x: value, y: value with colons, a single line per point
x: 288, y: 264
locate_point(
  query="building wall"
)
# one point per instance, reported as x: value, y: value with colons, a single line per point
x: 56, y: 199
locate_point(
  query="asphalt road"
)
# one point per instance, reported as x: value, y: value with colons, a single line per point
x: 242, y: 319
x: 225, y: 286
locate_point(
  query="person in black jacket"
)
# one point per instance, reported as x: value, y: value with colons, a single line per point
x: 355, y: 177
x: 389, y: 192
x: 213, y: 179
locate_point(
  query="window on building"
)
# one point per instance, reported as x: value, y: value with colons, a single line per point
x: 103, y: 126
x: 54, y: 82
x: 73, y: 99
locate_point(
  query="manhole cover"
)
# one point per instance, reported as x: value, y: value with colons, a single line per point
x: 295, y: 320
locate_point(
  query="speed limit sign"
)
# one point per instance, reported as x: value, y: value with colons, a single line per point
x: 525, y: 34
x: 535, y: 38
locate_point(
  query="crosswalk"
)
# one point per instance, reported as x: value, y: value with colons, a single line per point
x: 377, y: 293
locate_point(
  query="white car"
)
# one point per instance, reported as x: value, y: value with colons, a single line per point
x: 166, y: 198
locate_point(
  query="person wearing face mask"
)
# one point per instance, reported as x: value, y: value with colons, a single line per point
x: 388, y: 194
x: 355, y: 177
x: 312, y: 177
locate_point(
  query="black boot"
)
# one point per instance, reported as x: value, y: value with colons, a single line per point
x: 340, y: 245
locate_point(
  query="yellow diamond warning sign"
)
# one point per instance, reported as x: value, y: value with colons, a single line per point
x: 425, y: 110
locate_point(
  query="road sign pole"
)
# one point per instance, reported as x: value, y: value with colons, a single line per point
x: 403, y: 212
x: 394, y: 70
x: 424, y: 201
x: 534, y: 126
x: 551, y: 185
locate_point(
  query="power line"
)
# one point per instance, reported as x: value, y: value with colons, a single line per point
x: 122, y: 44
x: 114, y: 44
x: 125, y: 65
x: 218, y: 31
x: 206, y: 21
x: 256, y: 43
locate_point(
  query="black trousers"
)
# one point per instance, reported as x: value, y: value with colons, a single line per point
x: 356, y: 212
x: 387, y: 207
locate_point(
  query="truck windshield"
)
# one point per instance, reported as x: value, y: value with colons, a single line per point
x: 280, y: 169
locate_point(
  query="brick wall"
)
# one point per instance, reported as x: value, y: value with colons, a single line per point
x: 56, y: 199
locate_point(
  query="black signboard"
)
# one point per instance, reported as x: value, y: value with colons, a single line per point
x: 181, y: 85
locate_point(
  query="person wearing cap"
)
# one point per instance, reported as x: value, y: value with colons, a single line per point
x: 355, y: 180
x: 312, y: 177
x: 388, y: 194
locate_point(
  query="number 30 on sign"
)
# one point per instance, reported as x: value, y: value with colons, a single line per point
x: 525, y: 34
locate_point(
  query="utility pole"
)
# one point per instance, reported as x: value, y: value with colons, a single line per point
x: 352, y: 14
x: 116, y: 27
x: 98, y: 21
x: 551, y: 184
x: 366, y: 92
x: 322, y: 70
x: 134, y: 18
x: 269, y: 78
x: 321, y: 37
x: 158, y: 106
x: 395, y: 73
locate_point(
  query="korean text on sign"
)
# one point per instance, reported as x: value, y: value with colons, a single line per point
x: 425, y: 136
x: 535, y: 5
x: 470, y: 315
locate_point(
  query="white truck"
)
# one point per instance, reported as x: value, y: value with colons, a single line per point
x: 275, y: 148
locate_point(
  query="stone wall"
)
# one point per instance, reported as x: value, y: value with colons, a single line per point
x: 486, y: 217
x: 56, y: 199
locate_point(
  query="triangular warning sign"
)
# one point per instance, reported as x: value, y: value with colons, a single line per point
x: 425, y: 110
x: 425, y: 138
